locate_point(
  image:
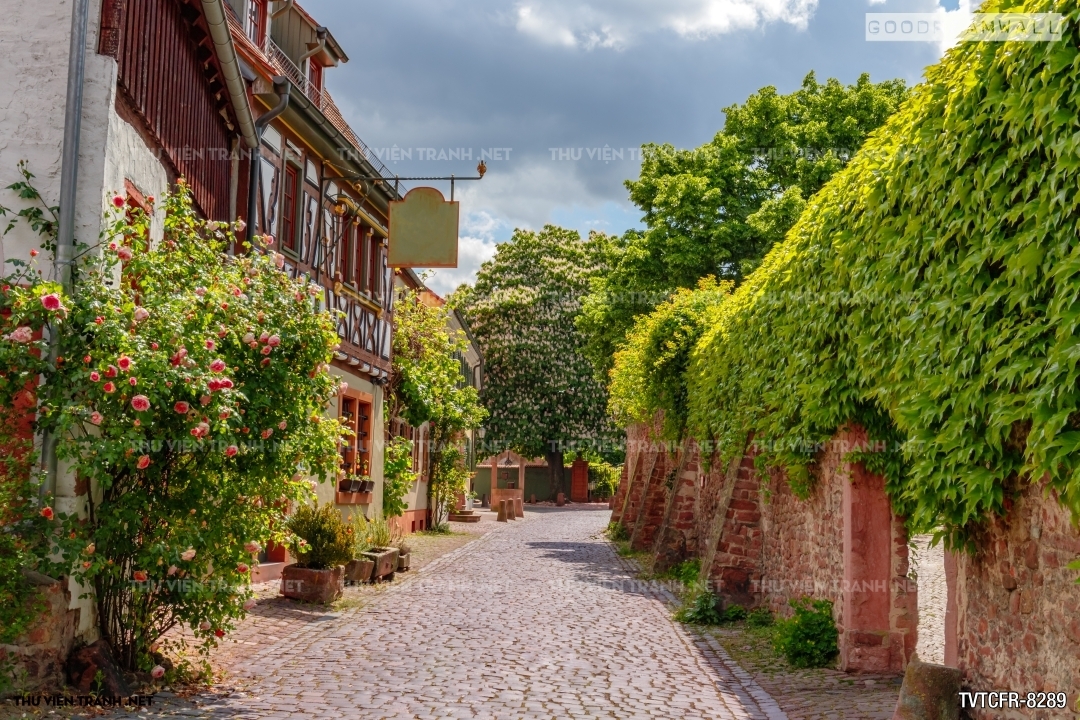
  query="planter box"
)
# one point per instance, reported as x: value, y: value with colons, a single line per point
x: 352, y: 498
x: 359, y: 570
x: 403, y: 562
x: 385, y: 561
x: 312, y: 586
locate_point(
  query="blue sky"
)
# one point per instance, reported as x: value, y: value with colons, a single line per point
x: 553, y: 92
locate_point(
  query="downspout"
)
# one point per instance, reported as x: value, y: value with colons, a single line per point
x: 281, y: 87
x: 288, y: 4
x: 69, y: 179
x: 218, y: 23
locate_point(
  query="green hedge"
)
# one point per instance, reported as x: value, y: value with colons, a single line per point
x: 930, y: 292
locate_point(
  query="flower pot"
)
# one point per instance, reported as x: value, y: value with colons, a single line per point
x: 386, y: 560
x: 359, y: 570
x: 312, y: 586
x: 469, y: 503
x: 403, y: 562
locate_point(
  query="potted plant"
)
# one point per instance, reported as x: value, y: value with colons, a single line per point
x: 404, y: 552
x: 380, y: 538
x: 361, y: 567
x: 322, y: 545
x: 470, y: 500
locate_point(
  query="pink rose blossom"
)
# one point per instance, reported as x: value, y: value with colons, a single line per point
x: 249, y: 338
x: 178, y: 356
x: 110, y: 371
x: 279, y: 261
x: 252, y: 546
x: 281, y: 425
x: 210, y: 345
x: 204, y: 625
x: 98, y: 320
x: 253, y: 344
x: 33, y: 253
x: 200, y: 291
x: 158, y: 672
x: 96, y: 418
x: 265, y: 362
x: 242, y: 568
x: 124, y: 362
x: 118, y: 201
x: 21, y: 334
x: 267, y: 433
x: 172, y: 570
x: 154, y: 346
x: 47, y: 513
x: 188, y: 555
x: 231, y: 451
x: 250, y: 604
x: 124, y: 253
x: 265, y: 337
x: 140, y: 403
x: 144, y: 462
x: 217, y: 366
x: 181, y: 407
x: 273, y: 340
x: 344, y: 387
x: 267, y: 350
x: 225, y: 383
x: 141, y: 314
x: 133, y: 381
x: 50, y: 301
x: 200, y: 430
x: 139, y: 576
x: 205, y: 400
x: 223, y: 415
x: 109, y: 387
x: 113, y: 246
x: 268, y: 239
x: 241, y: 226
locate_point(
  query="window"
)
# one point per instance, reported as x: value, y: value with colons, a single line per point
x: 360, y: 248
x: 288, y: 214
x: 315, y: 73
x: 374, y: 261
x: 356, y: 449
x: 346, y: 244
x: 257, y: 21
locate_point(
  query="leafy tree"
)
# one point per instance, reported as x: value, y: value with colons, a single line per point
x: 539, y: 389
x: 397, y: 476
x: 717, y: 209
x: 428, y: 386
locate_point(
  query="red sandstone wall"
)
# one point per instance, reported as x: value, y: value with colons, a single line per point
x: 1018, y: 605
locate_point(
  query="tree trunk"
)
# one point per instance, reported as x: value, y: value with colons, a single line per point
x: 555, y: 472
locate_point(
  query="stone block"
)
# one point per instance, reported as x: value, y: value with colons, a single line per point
x: 929, y: 692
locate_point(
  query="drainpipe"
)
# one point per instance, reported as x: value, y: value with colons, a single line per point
x: 281, y: 87
x: 320, y: 34
x: 288, y: 4
x: 218, y: 23
x: 69, y: 177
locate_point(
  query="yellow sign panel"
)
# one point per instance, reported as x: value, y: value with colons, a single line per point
x: 423, y: 230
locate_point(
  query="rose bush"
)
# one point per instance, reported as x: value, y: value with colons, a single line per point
x: 188, y: 396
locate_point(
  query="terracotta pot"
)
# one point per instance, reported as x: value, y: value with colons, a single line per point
x: 359, y: 570
x: 403, y: 562
x: 386, y: 560
x: 312, y: 586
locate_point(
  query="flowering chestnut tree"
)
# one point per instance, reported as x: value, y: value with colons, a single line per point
x: 187, y: 399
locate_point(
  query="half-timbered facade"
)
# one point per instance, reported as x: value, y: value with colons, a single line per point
x: 319, y: 197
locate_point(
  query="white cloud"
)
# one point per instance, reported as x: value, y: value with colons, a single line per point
x: 618, y: 23
x: 472, y: 252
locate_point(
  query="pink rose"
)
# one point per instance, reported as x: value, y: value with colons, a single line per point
x: 281, y: 425
x: 124, y: 253
x: 250, y: 604
x: 47, y: 513
x: 205, y: 400
x: 252, y: 547
x: 140, y: 403
x: 188, y: 555
x: 217, y: 366
x: 33, y: 253
x: 133, y: 381
x: 110, y: 371
x: 178, y: 356
x: 95, y: 376
x: 139, y: 576
x: 240, y: 226
x: 96, y: 418
x: 279, y: 261
x: 268, y: 239
x: 118, y: 201
x: 181, y: 407
x: 50, y: 301
x: 144, y: 462
x: 200, y: 430
x: 204, y: 625
x: 242, y: 568
x: 158, y: 672
x: 225, y: 383
x: 154, y: 346
x: 141, y: 314
x: 253, y: 344
x: 200, y: 291
x: 265, y: 362
x: 124, y: 362
x: 273, y: 340
x: 249, y: 338
x: 267, y: 433
x: 172, y: 570
x: 223, y: 415
x: 264, y: 337
x: 113, y: 246
x: 98, y: 320
x: 210, y: 345
x: 344, y: 387
x: 108, y: 387
x: 267, y: 350
x: 20, y: 335
x: 231, y: 451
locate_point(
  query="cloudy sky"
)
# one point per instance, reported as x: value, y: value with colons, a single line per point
x: 559, y: 95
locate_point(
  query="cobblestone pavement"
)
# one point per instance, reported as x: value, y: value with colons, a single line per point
x: 929, y: 563
x: 536, y: 619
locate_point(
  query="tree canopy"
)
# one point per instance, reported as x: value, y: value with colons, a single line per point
x: 717, y: 209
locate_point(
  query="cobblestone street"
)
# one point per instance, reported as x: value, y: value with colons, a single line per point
x: 536, y: 619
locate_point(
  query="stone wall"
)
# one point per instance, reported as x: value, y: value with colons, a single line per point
x: 36, y: 660
x: 1018, y: 604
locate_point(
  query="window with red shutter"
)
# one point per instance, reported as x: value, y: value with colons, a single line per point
x: 288, y: 212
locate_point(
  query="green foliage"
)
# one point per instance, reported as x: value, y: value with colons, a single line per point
x: 617, y: 532
x: 760, y: 617
x: 927, y: 294
x: 716, y: 210
x: 323, y: 540
x: 397, y: 476
x: 649, y: 374
x: 734, y: 613
x: 539, y: 389
x: 379, y: 533
x: 808, y: 639
x: 190, y: 397
x: 700, y: 608
x: 449, y: 477
x: 685, y: 572
x: 606, y: 478
x: 360, y: 530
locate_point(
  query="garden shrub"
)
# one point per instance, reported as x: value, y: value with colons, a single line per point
x: 700, y: 608
x: 760, y: 617
x: 734, y: 613
x: 809, y: 638
x: 189, y: 392
x: 617, y: 532
x: 686, y: 572
x: 606, y: 478
x: 379, y: 533
x: 322, y: 539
